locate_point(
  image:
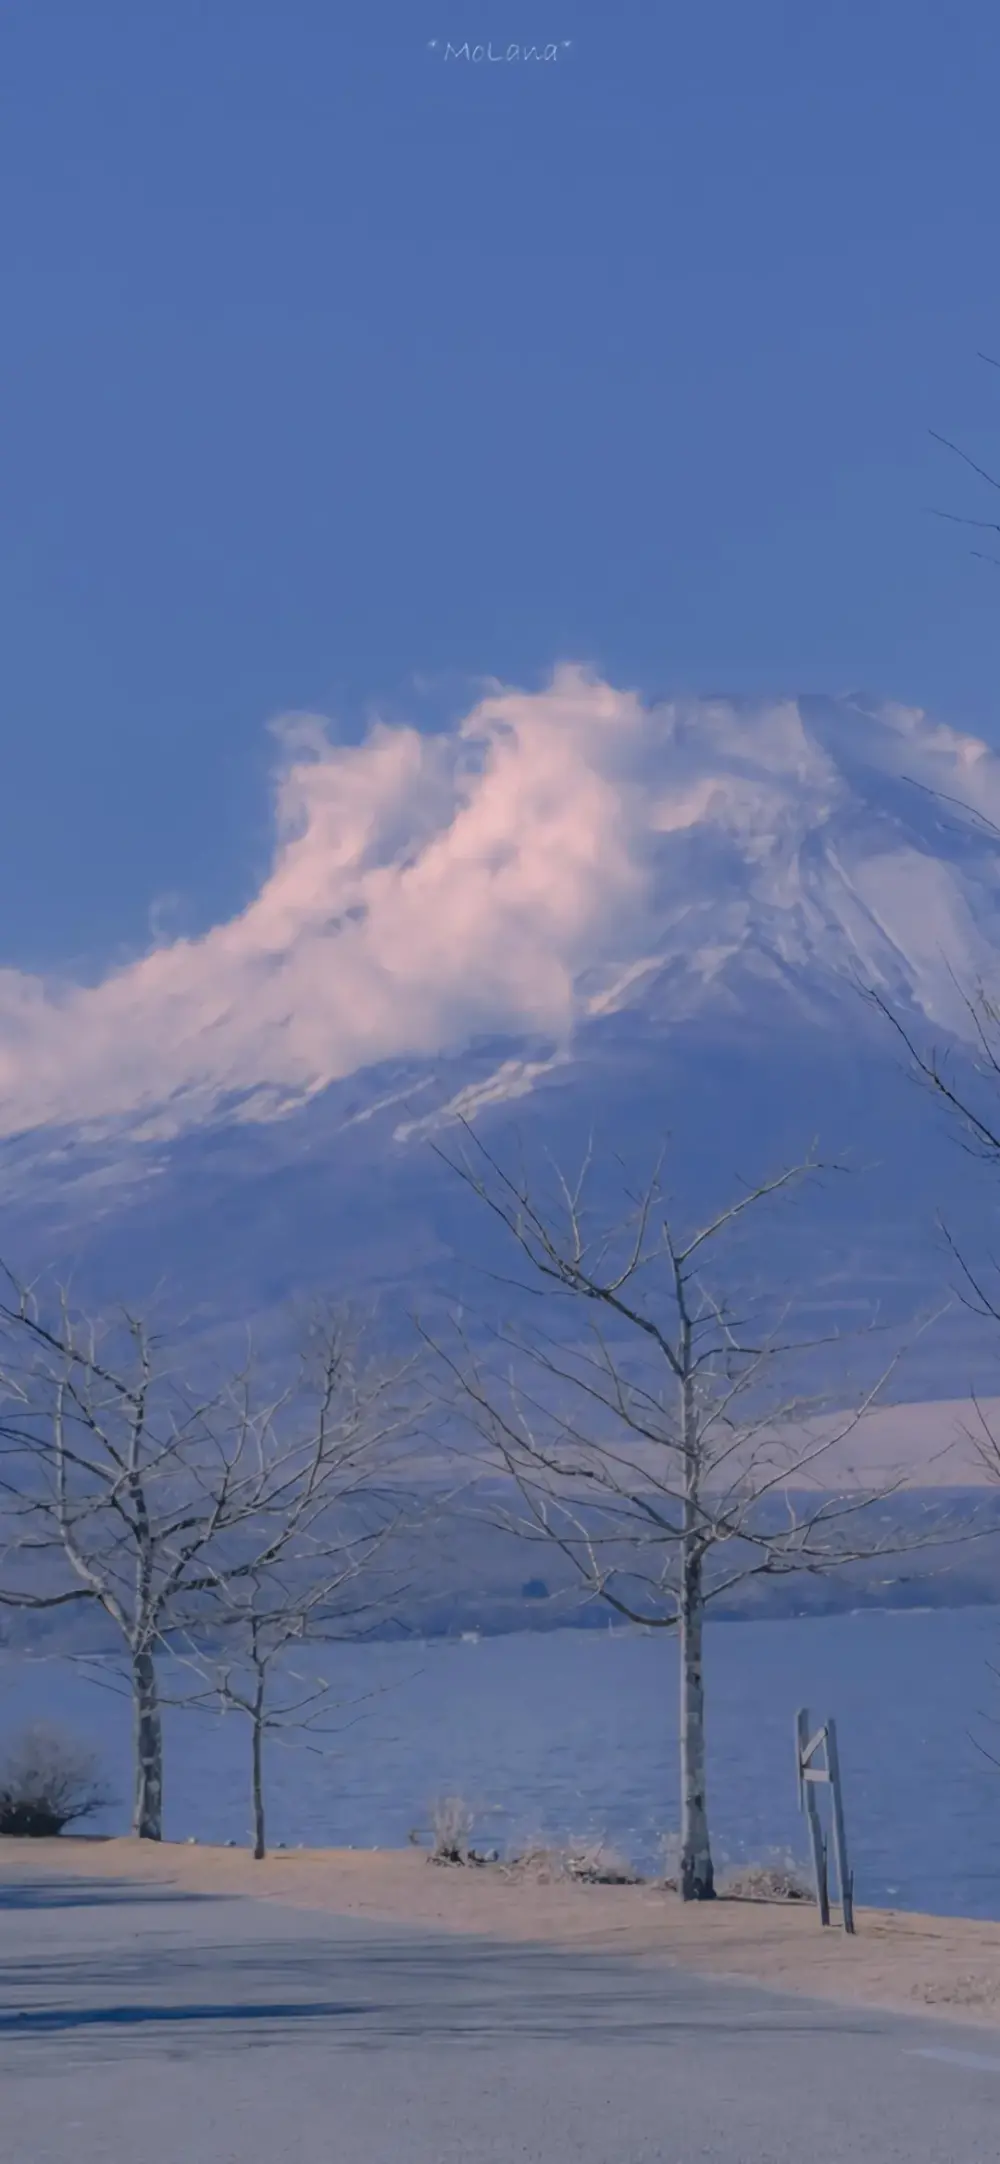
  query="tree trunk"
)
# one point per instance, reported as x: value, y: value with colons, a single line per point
x: 147, y: 1821
x: 259, y: 1841
x: 697, y: 1878
x: 260, y: 1685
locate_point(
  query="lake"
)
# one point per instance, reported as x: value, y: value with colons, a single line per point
x: 574, y: 1734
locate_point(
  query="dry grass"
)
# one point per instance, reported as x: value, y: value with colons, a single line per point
x: 978, y: 1993
x: 776, y: 1877
x: 584, y: 1863
x: 592, y: 1861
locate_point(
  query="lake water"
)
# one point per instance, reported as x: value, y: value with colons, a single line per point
x: 574, y: 1734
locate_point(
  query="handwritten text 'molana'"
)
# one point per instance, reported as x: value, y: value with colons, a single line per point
x: 473, y: 53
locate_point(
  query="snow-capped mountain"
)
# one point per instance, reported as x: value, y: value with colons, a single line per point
x: 572, y: 907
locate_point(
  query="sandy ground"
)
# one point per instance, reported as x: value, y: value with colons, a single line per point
x: 897, y: 1960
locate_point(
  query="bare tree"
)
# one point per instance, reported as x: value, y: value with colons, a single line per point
x: 959, y: 518
x: 126, y: 1490
x: 976, y: 1122
x: 661, y: 1455
x: 326, y: 1579
x: 968, y: 1093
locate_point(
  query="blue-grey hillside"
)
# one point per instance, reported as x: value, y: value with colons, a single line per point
x: 710, y: 890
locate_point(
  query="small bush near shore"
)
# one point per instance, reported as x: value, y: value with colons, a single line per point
x: 48, y: 1781
x: 588, y: 1863
x: 451, y: 1829
x: 778, y: 1877
x: 596, y: 1863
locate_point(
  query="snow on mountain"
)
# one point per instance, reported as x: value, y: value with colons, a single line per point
x: 556, y: 856
x: 810, y: 842
x: 572, y: 906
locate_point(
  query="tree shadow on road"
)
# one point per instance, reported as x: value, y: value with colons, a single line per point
x: 77, y: 1893
x: 383, y: 1991
x: 52, y: 2021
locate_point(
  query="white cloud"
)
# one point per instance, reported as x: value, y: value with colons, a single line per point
x: 423, y: 888
x: 509, y: 876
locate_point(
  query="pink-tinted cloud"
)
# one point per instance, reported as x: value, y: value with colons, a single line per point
x: 423, y: 888
x: 509, y: 875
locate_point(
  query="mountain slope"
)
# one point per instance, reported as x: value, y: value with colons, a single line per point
x: 573, y: 909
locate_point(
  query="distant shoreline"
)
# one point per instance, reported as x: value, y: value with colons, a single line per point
x: 530, y: 1620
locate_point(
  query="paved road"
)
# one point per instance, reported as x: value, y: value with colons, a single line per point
x: 142, y: 2026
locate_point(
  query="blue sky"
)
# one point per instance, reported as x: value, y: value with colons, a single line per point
x: 335, y: 373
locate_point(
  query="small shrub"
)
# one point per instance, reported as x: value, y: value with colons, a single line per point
x: 596, y: 1863
x: 451, y: 1829
x: 47, y: 1781
x: 588, y: 1863
x: 535, y: 1860
x: 776, y: 1877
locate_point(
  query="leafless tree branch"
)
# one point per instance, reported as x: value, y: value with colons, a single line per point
x: 661, y: 1456
x: 121, y: 1486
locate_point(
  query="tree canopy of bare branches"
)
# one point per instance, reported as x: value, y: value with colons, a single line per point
x: 124, y: 1488
x: 961, y: 518
x: 335, y: 1577
x: 652, y: 1433
x: 968, y: 1093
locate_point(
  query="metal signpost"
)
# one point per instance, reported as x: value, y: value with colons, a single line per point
x: 818, y: 1762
